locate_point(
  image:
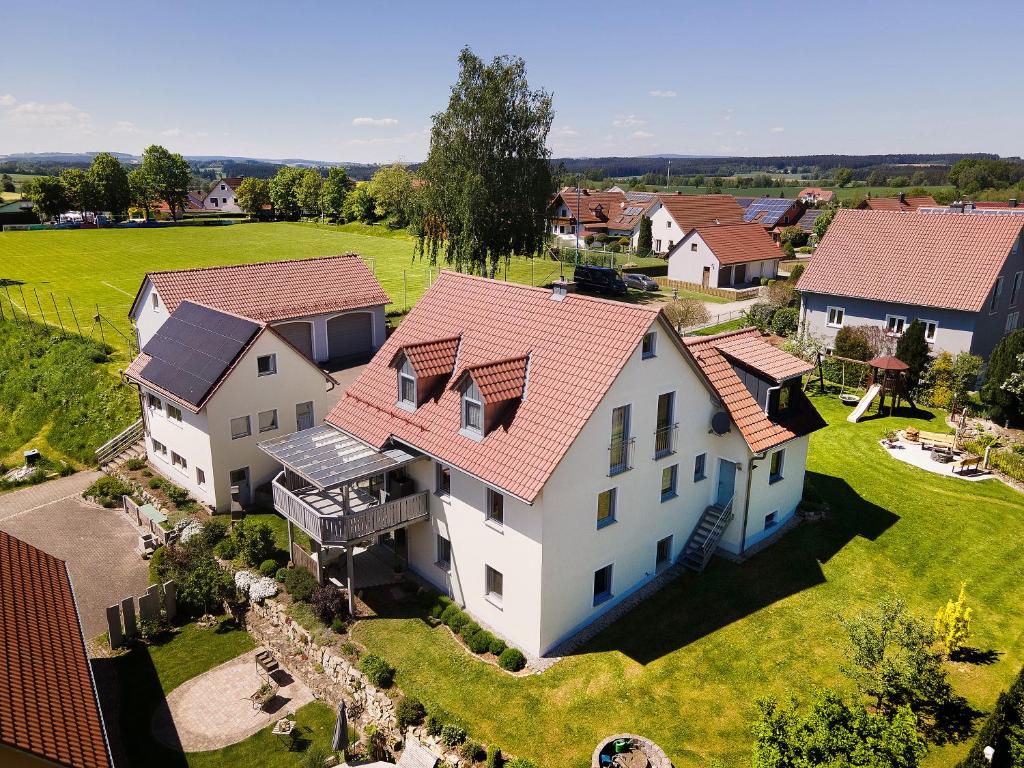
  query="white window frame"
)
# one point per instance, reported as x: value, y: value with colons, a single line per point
x: 179, y: 462
x: 933, y: 326
x: 274, y: 424
x: 158, y: 447
x: 444, y: 563
x: 607, y: 595
x: 407, y: 374
x: 1012, y: 321
x: 489, y: 518
x: 780, y: 473
x: 651, y: 342
x: 155, y: 300
x: 200, y: 477
x: 657, y: 246
x: 173, y: 412
x: 495, y: 598
x: 902, y: 324
x: 154, y: 403
x: 248, y: 427
x: 612, y: 504
x: 839, y: 312
x: 439, y: 472
x: 1018, y: 277
x: 273, y: 364
x: 471, y: 399
x: 673, y: 490
x: 997, y: 291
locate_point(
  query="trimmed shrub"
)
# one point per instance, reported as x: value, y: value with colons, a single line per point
x: 452, y: 735
x: 480, y: 642
x: 512, y: 659
x: 454, y: 617
x: 377, y: 671
x: 338, y: 625
x: 494, y: 759
x: 497, y: 646
x: 300, y: 583
x: 470, y: 750
x: 436, y: 610
x: 281, y: 574
x: 853, y: 342
x: 226, y: 549
x: 760, y: 315
x: 255, y: 542
x: 409, y: 711
x: 214, y: 532
x: 178, y: 496
x: 108, y: 487
x: 155, y: 482
x: 327, y: 603
x: 268, y: 567
x: 785, y: 321
x: 135, y: 463
x: 468, y: 629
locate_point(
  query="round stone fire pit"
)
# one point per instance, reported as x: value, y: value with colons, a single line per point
x: 942, y: 455
x: 627, y: 750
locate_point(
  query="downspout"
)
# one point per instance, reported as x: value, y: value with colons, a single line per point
x: 746, y: 501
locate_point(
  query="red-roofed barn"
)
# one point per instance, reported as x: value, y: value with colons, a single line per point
x: 724, y: 256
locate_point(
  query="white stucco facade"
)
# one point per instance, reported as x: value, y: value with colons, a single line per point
x: 693, y: 261
x: 221, y: 197
x: 665, y: 231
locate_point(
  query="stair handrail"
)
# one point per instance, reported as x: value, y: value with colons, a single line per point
x: 718, y: 529
x: 114, y: 444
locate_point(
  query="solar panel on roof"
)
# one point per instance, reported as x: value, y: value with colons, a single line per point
x: 633, y: 210
x: 767, y: 210
x: 192, y: 349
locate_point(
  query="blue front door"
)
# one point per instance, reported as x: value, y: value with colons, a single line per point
x: 726, y: 482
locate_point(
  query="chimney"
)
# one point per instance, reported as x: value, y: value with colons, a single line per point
x: 903, y: 197
x: 1011, y: 203
x: 558, y: 290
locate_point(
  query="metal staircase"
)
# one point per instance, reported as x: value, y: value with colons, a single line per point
x: 128, y: 444
x: 705, y: 537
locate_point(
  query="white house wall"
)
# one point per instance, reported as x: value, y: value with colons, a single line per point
x: 221, y: 191
x: 688, y: 265
x: 321, y: 351
x: 148, y: 318
x: 188, y: 438
x: 780, y: 497
x: 664, y: 229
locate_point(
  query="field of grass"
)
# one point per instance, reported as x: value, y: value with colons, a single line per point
x: 103, y: 268
x: 686, y: 666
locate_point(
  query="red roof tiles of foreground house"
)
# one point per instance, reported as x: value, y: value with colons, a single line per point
x: 576, y: 348
x: 48, y: 704
x: 274, y: 290
x: 716, y: 356
x: 692, y: 211
x: 948, y: 261
x: 738, y: 243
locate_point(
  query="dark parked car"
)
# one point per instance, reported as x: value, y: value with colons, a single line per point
x: 639, y: 282
x: 599, y: 280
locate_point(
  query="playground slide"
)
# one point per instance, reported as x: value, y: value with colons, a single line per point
x: 865, y: 403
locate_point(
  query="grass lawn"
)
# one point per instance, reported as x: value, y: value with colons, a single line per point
x: 686, y: 666
x: 146, y: 675
x: 729, y: 325
x: 105, y: 267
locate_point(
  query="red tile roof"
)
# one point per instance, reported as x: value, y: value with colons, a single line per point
x: 736, y: 243
x: 430, y: 358
x: 948, y: 261
x: 576, y: 347
x: 715, y: 355
x: 48, y: 703
x: 499, y: 381
x: 692, y: 211
x: 274, y: 290
x: 818, y: 194
x: 908, y: 203
x: 600, y: 209
x: 996, y: 204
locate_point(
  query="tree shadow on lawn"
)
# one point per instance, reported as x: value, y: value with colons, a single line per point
x: 692, y: 607
x: 903, y: 412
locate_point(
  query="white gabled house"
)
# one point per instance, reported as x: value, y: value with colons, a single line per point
x: 542, y: 462
x: 673, y: 215
x: 222, y: 195
x: 724, y: 256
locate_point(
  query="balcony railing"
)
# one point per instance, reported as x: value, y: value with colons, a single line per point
x: 353, y: 526
x: 620, y: 456
x: 665, y: 440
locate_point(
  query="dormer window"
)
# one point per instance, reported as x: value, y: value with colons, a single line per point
x: 472, y: 409
x: 406, y: 385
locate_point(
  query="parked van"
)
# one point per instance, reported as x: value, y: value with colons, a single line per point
x: 599, y: 280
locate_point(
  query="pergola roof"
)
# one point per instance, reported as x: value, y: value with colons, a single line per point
x: 327, y: 457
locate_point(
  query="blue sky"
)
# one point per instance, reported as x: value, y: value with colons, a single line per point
x: 359, y: 81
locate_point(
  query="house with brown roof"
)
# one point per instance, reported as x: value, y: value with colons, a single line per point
x: 49, y: 709
x: 959, y: 273
x: 902, y: 202
x: 222, y: 195
x: 724, y: 256
x: 674, y: 215
x: 610, y: 212
x: 487, y: 445
x: 233, y: 355
x: 815, y: 196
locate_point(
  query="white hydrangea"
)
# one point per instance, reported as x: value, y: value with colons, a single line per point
x: 258, y: 588
x: 188, y: 529
x: 243, y: 579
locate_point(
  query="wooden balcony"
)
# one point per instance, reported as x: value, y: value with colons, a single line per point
x: 323, y: 516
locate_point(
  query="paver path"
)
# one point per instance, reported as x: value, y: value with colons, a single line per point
x: 213, y: 710
x: 97, y: 544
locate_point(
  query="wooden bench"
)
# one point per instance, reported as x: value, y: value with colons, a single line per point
x: 967, y: 462
x: 936, y: 439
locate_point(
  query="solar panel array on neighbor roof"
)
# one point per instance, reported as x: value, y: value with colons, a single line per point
x: 193, y: 348
x: 767, y: 210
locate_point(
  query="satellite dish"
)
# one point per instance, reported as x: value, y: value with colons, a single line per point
x: 720, y: 423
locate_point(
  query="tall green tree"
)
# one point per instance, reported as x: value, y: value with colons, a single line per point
x: 842, y: 176
x: 167, y: 175
x: 111, y: 181
x: 252, y: 195
x: 332, y: 194
x: 48, y: 196
x: 644, y: 239
x: 82, y: 194
x: 487, y: 176
x: 821, y: 223
x: 913, y: 350
x: 284, y: 193
x: 142, y: 192
x: 359, y: 206
x: 308, y: 191
x: 1003, y: 403
x: 6, y: 183
x: 392, y: 193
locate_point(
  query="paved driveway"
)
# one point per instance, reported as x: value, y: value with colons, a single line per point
x: 97, y: 544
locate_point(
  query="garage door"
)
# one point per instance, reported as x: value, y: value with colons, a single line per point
x: 349, y: 335
x: 299, y: 334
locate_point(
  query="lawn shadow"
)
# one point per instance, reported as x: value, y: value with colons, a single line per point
x: 903, y: 412
x: 977, y: 656
x: 952, y: 722
x: 403, y: 600
x: 6, y: 281
x: 692, y: 606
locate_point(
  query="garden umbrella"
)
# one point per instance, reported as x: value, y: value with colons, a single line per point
x: 340, y: 741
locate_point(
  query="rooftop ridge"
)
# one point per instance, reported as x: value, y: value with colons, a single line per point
x: 695, y: 340
x: 211, y: 267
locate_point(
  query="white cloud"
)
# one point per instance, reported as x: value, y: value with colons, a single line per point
x: 566, y: 130
x: 125, y: 126
x: 778, y: 129
x: 642, y: 135
x: 739, y: 133
x: 59, y: 114
x: 627, y: 121
x: 172, y: 132
x: 7, y: 100
x: 667, y: 94
x: 377, y: 122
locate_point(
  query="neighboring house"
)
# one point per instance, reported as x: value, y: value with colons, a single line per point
x: 724, y: 255
x: 210, y: 385
x: 609, y: 212
x: 17, y: 212
x: 902, y: 202
x: 673, y: 215
x: 542, y: 462
x: 49, y: 709
x: 221, y: 196
x: 330, y: 308
x: 773, y: 213
x: 959, y: 273
x: 815, y: 196
x: 806, y: 222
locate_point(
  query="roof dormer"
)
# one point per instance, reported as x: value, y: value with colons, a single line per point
x: 489, y: 392
x: 421, y: 367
